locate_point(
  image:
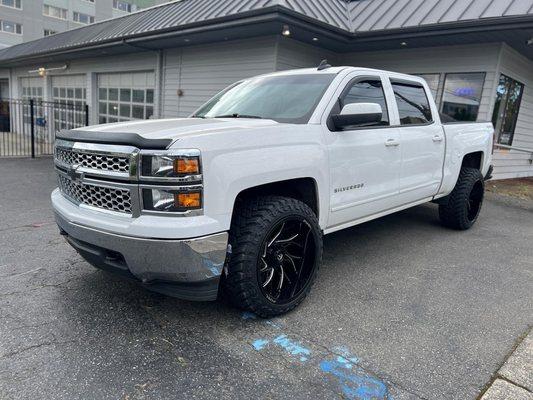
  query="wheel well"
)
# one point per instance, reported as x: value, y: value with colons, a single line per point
x: 303, y: 189
x: 473, y: 160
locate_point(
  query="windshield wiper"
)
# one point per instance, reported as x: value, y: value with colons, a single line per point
x: 235, y: 115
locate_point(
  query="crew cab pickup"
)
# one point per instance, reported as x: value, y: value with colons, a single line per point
x: 236, y: 198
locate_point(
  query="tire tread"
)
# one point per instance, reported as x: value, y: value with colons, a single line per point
x: 252, y: 218
x: 453, y: 214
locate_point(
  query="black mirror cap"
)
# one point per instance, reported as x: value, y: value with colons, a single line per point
x: 341, y: 121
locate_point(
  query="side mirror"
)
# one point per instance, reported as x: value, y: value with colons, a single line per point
x: 358, y: 114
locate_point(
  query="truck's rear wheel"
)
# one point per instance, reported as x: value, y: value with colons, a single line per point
x: 464, y: 203
x: 276, y: 251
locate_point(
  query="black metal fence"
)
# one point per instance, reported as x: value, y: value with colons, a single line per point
x: 28, y: 127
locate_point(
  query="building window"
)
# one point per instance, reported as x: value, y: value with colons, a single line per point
x: 125, y: 96
x: 368, y: 91
x: 124, y: 6
x: 48, y: 32
x: 82, y: 18
x: 413, y: 103
x: 10, y: 27
x: 462, y: 95
x: 32, y: 88
x: 508, y: 98
x: 11, y: 3
x: 433, y: 81
x: 54, y: 12
x: 70, y: 92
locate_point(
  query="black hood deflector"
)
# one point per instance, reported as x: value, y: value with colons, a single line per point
x: 121, y: 138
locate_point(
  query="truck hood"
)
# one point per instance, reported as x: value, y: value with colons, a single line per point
x: 180, y: 127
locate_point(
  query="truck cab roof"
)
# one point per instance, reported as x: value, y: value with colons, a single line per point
x: 345, y: 70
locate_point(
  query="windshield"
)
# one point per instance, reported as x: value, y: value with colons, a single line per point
x: 283, y: 98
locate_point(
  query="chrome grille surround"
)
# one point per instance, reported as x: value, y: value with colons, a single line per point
x: 107, y: 198
x: 106, y: 178
x: 112, y: 161
x: 94, y: 161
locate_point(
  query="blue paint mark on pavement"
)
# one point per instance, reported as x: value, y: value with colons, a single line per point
x: 292, y: 347
x: 341, y: 366
x: 273, y: 324
x: 260, y: 344
x: 342, y: 350
x: 248, y: 315
x: 354, y: 385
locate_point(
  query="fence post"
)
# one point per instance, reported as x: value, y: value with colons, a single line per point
x: 86, y: 114
x: 32, y: 128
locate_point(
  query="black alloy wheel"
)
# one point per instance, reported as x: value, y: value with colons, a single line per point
x: 276, y: 247
x: 287, y: 260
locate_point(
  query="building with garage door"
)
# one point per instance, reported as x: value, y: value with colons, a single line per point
x: 477, y: 56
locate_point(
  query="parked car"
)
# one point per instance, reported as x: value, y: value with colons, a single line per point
x: 237, y: 197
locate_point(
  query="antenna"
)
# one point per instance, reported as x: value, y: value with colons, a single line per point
x: 323, y: 65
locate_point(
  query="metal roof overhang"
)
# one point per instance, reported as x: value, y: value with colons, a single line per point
x: 515, y: 31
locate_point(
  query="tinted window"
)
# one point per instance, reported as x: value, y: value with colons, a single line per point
x: 413, y: 104
x: 433, y: 82
x: 368, y: 91
x: 462, y: 95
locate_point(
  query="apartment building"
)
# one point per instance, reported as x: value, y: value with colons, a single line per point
x: 25, y: 20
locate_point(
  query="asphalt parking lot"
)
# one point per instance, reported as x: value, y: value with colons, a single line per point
x: 402, y: 309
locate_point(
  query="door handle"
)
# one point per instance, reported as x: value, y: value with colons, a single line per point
x: 392, y: 143
x: 437, y: 138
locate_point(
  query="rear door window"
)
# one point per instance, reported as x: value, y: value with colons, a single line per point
x: 413, y: 103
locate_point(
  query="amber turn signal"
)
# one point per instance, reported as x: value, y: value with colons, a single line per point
x: 188, y: 200
x: 189, y: 165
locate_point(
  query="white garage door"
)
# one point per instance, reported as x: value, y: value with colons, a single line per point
x: 69, y: 93
x: 125, y: 96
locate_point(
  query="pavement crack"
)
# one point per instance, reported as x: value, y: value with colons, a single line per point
x: 33, y: 347
x: 22, y: 273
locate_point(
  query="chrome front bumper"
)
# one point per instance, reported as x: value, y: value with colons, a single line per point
x: 188, y: 268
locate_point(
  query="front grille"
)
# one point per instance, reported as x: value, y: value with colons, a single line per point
x: 113, y: 199
x: 95, y: 161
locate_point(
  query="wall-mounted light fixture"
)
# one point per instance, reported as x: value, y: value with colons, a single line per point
x: 315, y: 39
x: 530, y: 42
x: 403, y: 44
x: 42, y: 71
x: 286, y: 30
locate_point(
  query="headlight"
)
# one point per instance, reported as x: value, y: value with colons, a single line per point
x: 171, y: 181
x: 172, y: 200
x: 170, y: 166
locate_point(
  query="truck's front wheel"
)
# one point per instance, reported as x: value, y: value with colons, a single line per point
x: 276, y: 251
x: 464, y: 203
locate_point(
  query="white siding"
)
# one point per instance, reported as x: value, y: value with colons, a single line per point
x: 511, y: 163
x: 202, y: 71
x: 292, y: 54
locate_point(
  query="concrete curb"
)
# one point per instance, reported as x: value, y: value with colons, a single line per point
x: 514, y: 380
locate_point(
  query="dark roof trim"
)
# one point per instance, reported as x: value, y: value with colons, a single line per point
x: 281, y: 14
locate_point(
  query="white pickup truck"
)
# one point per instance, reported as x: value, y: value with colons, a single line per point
x: 238, y: 196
